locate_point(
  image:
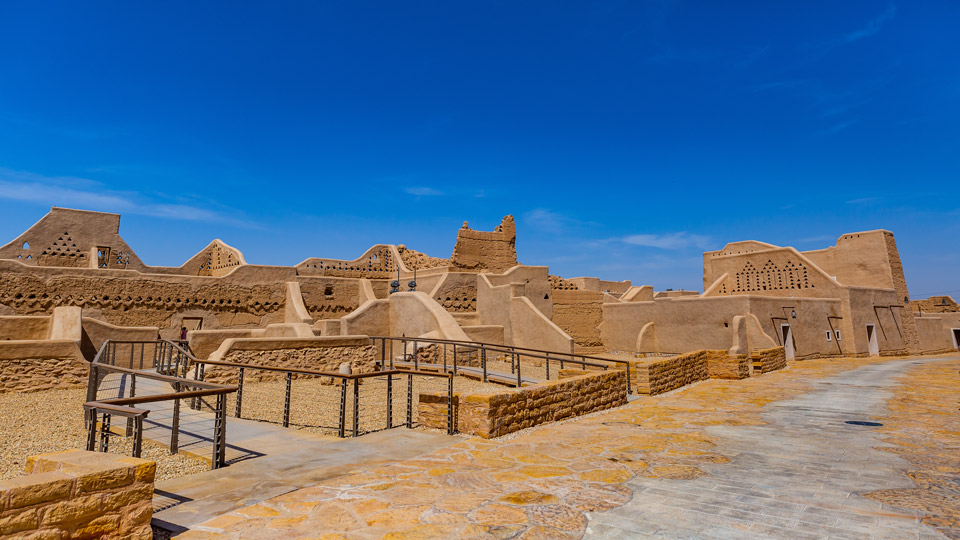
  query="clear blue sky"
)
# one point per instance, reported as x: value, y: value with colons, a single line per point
x: 626, y: 137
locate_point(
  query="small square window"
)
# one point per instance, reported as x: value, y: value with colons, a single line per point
x: 829, y: 336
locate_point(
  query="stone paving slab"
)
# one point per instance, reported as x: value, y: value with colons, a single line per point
x: 797, y: 476
x: 651, y: 469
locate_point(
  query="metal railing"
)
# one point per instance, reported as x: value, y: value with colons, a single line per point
x: 485, y: 351
x: 178, y: 359
x: 345, y: 380
x: 156, y: 361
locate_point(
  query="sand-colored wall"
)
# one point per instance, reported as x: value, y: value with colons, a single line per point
x: 79, y: 494
x: 579, y: 313
x: 31, y: 366
x: 933, y: 334
x: 524, y: 324
x: 24, y: 327
x: 317, y: 353
x: 482, y: 251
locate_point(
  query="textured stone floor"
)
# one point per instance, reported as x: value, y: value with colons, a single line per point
x: 771, y: 455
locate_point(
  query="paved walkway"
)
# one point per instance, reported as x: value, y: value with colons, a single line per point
x: 767, y: 457
x: 798, y: 476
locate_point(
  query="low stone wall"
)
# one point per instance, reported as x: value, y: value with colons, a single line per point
x: 495, y: 415
x: 659, y: 375
x: 721, y: 365
x: 319, y: 354
x: 767, y: 360
x: 78, y: 494
x: 31, y: 366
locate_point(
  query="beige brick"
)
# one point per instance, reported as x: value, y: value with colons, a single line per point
x: 34, y: 489
x: 74, y: 510
x: 13, y: 521
x: 45, y: 534
x: 146, y: 472
x: 96, y: 528
x: 108, y: 479
x: 124, y: 497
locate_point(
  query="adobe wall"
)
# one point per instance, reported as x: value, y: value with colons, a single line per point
x: 935, y: 304
x: 69, y: 238
x: 767, y: 360
x: 482, y: 251
x: 79, y: 494
x: 881, y: 308
x: 934, y: 334
x: 495, y: 415
x: 31, y: 366
x: 771, y: 272
x: 318, y: 354
x: 579, y: 313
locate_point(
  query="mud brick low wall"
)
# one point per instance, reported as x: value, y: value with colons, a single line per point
x: 722, y: 365
x: 78, y: 494
x: 767, y: 360
x: 31, y: 366
x: 318, y: 354
x: 495, y: 415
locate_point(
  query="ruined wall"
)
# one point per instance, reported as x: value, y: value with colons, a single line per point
x: 413, y: 259
x: 482, y: 251
x: 935, y: 304
x: 579, y: 313
x: 318, y: 354
x: 31, y: 366
x: 495, y: 415
x: 78, y: 494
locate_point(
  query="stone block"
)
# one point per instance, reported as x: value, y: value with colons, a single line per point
x: 35, y: 489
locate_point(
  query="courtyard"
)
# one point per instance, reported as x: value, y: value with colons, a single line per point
x: 859, y: 448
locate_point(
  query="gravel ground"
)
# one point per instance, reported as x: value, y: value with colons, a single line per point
x: 315, y: 406
x: 52, y: 420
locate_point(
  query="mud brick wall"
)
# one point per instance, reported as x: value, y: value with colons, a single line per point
x: 495, y: 415
x: 34, y: 366
x: 362, y: 359
x: 78, y: 494
x: 767, y: 360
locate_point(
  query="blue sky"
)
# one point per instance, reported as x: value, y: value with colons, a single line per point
x: 626, y: 137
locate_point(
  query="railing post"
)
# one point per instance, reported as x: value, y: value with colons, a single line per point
x: 175, y: 425
x: 131, y: 355
x: 356, y: 407
x: 416, y: 357
x: 220, y: 433
x: 483, y: 362
x: 450, y: 427
x: 454, y: 358
x: 561, y: 363
x: 409, y: 400
x: 519, y: 380
x: 391, y: 353
x: 343, y: 408
x: 629, y: 388
x: 286, y: 401
x: 142, y: 347
x: 91, y: 415
x: 444, y: 357
x: 133, y: 393
x: 389, y: 401
x: 92, y: 382
x: 239, y: 394
x: 138, y: 436
x: 548, y: 366
x: 383, y: 353
x: 105, y: 433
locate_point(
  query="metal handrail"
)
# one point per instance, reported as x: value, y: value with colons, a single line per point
x: 199, y: 373
x: 105, y: 362
x: 515, y: 353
